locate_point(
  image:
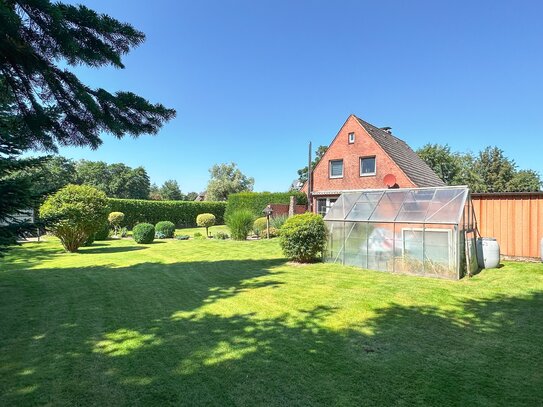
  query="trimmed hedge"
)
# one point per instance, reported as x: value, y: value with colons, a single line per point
x: 257, y: 201
x: 181, y: 213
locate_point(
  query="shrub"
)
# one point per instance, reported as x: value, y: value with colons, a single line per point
x: 90, y: 240
x: 255, y: 202
x: 278, y: 221
x: 198, y: 235
x: 303, y: 237
x: 259, y: 226
x: 221, y: 235
x: 181, y: 213
x: 115, y: 219
x: 166, y: 228
x: 124, y: 232
x: 143, y: 233
x: 240, y: 224
x: 103, y: 232
x: 75, y: 213
x: 205, y: 220
x: 273, y: 232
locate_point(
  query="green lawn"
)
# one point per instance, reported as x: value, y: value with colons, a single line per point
x: 206, y: 322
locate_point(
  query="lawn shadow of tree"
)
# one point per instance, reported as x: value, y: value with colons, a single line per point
x: 159, y: 348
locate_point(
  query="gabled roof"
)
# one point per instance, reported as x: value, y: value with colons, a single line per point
x: 409, y: 162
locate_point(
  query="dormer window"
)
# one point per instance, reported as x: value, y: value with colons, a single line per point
x: 351, y: 138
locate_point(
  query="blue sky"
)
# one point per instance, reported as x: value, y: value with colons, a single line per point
x: 254, y: 81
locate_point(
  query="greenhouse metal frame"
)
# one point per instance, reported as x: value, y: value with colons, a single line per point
x: 421, y: 231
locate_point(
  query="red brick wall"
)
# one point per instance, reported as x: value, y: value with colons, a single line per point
x: 363, y: 146
x: 282, y: 209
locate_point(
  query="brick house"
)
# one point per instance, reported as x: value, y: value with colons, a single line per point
x: 360, y: 157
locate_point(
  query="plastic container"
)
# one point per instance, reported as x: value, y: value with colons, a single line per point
x: 488, y: 252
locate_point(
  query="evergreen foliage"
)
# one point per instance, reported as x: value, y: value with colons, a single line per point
x: 303, y: 237
x: 181, y: 213
x: 143, y: 233
x: 206, y: 220
x: 166, y: 228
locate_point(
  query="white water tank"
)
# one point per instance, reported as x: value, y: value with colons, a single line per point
x: 488, y: 252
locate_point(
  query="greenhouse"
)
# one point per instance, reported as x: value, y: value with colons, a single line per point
x: 422, y: 231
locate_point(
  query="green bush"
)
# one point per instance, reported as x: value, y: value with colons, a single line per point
x: 259, y: 226
x: 115, y: 219
x: 221, y: 235
x: 90, y: 240
x: 240, y: 224
x: 278, y: 221
x: 303, y: 237
x: 181, y: 213
x: 75, y: 213
x: 166, y: 228
x: 103, y: 232
x: 255, y: 202
x: 198, y: 235
x: 143, y: 233
x: 205, y: 220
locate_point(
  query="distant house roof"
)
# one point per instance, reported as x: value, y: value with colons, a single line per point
x: 409, y: 162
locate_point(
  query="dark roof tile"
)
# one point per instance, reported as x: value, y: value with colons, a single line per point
x: 410, y: 163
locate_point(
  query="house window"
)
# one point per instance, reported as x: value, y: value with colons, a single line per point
x: 324, y: 205
x: 336, y: 168
x: 367, y: 166
x: 351, y: 138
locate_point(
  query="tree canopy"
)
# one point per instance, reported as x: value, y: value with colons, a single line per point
x: 488, y: 171
x: 227, y: 179
x: 36, y: 39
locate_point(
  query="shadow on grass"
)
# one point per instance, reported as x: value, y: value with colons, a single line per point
x: 138, y: 336
x: 103, y: 249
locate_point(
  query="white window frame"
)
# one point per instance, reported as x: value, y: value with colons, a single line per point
x: 351, y: 138
x: 449, y: 239
x: 368, y: 174
x: 330, y: 169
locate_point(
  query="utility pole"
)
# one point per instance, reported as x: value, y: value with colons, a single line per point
x: 309, y: 182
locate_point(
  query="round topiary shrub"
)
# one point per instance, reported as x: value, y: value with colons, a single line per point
x: 165, y: 228
x: 115, y: 219
x: 75, y: 213
x: 205, y: 220
x: 143, y: 233
x: 303, y: 237
x: 103, y: 232
x: 259, y: 226
x: 240, y: 224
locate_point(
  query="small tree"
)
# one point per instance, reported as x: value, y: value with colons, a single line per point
x: 115, y: 219
x: 303, y: 237
x: 75, y: 213
x: 205, y: 220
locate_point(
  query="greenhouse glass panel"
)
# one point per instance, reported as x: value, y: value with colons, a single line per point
x: 408, y: 249
x: 416, y: 204
x: 423, y: 231
x: 389, y: 206
x: 364, y: 206
x: 381, y: 247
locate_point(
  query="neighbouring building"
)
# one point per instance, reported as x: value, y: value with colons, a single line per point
x: 363, y: 156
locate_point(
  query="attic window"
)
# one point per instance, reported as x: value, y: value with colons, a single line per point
x: 367, y: 166
x: 351, y: 138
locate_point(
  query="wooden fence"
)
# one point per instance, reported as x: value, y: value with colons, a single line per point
x: 514, y: 219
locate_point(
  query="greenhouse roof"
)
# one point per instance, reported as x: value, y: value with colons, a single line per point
x: 405, y: 205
